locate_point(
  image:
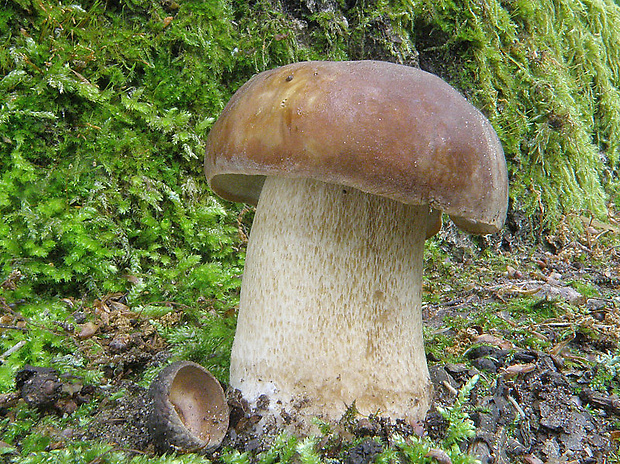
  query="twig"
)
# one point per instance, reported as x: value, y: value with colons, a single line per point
x: 450, y: 388
x: 5, y: 306
x: 11, y: 350
x: 13, y: 327
x: 169, y: 304
x: 518, y: 408
x: 82, y: 78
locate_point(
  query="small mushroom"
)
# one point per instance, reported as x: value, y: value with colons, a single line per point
x: 350, y: 165
x: 190, y: 412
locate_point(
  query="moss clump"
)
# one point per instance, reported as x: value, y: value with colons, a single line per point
x: 546, y: 73
x: 106, y: 107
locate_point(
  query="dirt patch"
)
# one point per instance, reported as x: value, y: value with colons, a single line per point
x: 121, y: 421
x: 535, y: 414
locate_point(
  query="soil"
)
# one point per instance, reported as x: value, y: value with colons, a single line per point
x: 535, y: 401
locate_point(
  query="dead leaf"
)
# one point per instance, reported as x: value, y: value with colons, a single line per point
x: 531, y: 459
x: 518, y: 369
x: 513, y: 273
x: 439, y: 455
x: 87, y: 330
x: 489, y: 339
x: 558, y: 348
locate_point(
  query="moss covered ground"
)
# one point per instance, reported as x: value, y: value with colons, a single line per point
x: 104, y: 109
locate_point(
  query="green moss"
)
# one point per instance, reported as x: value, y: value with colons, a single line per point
x: 107, y: 109
x: 101, y: 149
x: 547, y: 76
x: 587, y: 289
x: 532, y: 307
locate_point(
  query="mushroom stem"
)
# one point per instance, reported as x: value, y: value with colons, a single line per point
x: 330, y: 303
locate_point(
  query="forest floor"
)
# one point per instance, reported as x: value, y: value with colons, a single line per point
x: 539, y: 325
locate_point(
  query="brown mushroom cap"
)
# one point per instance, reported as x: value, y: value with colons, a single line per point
x: 382, y: 128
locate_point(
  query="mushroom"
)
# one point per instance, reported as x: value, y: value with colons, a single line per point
x: 350, y: 165
x: 189, y: 412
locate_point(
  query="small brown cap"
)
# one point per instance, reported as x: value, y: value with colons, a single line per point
x: 382, y: 128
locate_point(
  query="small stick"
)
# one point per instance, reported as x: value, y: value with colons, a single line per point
x: 518, y: 408
x: 13, y: 327
x: 12, y: 350
x: 449, y: 387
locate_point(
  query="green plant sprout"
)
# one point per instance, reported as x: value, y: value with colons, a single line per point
x: 607, y: 374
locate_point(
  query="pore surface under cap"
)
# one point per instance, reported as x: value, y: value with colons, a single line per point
x: 382, y: 128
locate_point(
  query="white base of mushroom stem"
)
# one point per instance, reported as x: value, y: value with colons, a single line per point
x: 330, y: 304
